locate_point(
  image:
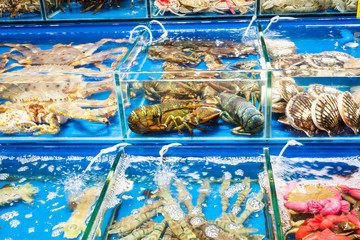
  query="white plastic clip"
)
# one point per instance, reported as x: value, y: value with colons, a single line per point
x: 289, y: 143
x: 276, y: 19
x: 146, y: 28
x: 248, y: 28
x: 165, y: 148
x: 164, y: 35
x: 105, y: 151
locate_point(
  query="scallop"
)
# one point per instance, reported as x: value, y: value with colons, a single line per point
x: 315, y: 90
x: 349, y: 111
x: 326, y: 116
x: 288, y: 89
x: 298, y: 113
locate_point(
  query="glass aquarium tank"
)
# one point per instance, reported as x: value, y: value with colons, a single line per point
x: 218, y: 109
x: 317, y: 189
x: 206, y: 45
x: 195, y: 64
x: 22, y: 10
x: 315, y: 78
x: 201, y: 9
x: 50, y: 191
x: 292, y: 7
x: 53, y: 106
x: 309, y: 48
x: 73, y: 10
x: 57, y: 81
x: 218, y: 192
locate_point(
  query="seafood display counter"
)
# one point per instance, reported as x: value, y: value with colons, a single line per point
x: 317, y: 189
x: 50, y: 191
x: 315, y: 78
x: 193, y: 192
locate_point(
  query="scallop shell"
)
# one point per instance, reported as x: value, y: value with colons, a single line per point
x: 287, y: 89
x: 279, y: 107
x: 349, y: 111
x: 276, y: 96
x: 356, y: 96
x: 315, y: 90
x: 298, y: 113
x: 326, y: 116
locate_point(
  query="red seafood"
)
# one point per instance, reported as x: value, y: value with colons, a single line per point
x: 326, y: 235
x: 320, y: 222
x: 355, y: 192
x: 314, y: 198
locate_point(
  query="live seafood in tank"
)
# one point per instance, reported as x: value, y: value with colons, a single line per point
x: 82, y: 204
x: 65, y: 58
x: 16, y: 8
x: 292, y: 6
x: 317, y: 192
x: 322, y: 210
x: 190, y: 53
x: 183, y: 7
x: 178, y: 105
x: 25, y: 192
x: 40, y: 104
x: 316, y: 108
x: 89, y: 5
x: 330, y: 63
x: 226, y: 206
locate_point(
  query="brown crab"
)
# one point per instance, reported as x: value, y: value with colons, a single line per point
x: 38, y: 104
x: 61, y: 58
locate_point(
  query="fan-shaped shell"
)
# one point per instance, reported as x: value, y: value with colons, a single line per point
x: 298, y: 113
x: 349, y: 111
x: 288, y: 89
x: 315, y: 90
x: 326, y: 116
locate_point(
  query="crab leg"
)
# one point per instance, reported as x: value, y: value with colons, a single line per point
x: 136, y: 222
x: 92, y: 88
x: 73, y: 111
x: 235, y: 209
x: 167, y: 234
x: 89, y: 48
x: 204, y: 191
x: 185, y: 196
x: 158, y: 230
x: 225, y: 200
x: 52, y: 128
x: 25, y: 49
x: 101, y: 56
x: 95, y: 103
x: 124, y: 226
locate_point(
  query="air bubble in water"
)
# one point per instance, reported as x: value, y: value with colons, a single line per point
x: 212, y: 231
x: 255, y: 204
x: 230, y: 192
x: 174, y: 212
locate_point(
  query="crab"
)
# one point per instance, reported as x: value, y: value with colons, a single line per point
x: 38, y: 104
x: 61, y: 58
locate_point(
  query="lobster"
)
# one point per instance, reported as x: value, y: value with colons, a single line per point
x: 241, y: 112
x: 172, y: 115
